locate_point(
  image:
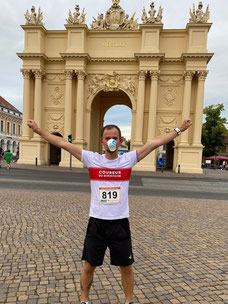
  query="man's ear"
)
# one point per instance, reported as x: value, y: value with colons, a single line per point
x: 101, y: 141
x: 121, y: 139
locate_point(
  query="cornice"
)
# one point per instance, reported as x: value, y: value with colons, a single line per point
x: 198, y: 56
x: 32, y: 55
x: 78, y: 26
x: 151, y: 56
x: 151, y: 25
x: 112, y: 59
x: 172, y: 60
x: 75, y: 56
x: 198, y: 25
x: 55, y: 59
x: 36, y: 27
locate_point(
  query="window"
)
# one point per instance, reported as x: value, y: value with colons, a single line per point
x: 2, y: 126
x: 19, y: 130
x: 8, y: 127
x: 14, y: 129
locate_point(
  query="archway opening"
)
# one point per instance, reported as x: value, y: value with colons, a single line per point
x: 8, y: 145
x: 165, y: 155
x: 55, y: 152
x: 121, y: 116
x: 118, y: 107
x: 2, y: 144
x: 14, y: 147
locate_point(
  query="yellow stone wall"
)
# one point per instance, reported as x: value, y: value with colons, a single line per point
x: 73, y: 76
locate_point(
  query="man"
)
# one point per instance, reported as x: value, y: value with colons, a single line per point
x: 109, y: 211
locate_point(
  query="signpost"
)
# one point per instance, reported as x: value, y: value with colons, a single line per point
x: 70, y: 141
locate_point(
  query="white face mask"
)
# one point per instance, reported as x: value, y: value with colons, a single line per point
x: 112, y: 145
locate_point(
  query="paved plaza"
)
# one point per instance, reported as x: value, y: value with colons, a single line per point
x: 180, y: 248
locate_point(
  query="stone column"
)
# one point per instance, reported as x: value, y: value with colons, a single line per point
x: 140, y: 108
x: 80, y: 107
x: 38, y: 99
x: 199, y: 108
x: 68, y: 104
x: 26, y: 102
x: 188, y: 75
x: 153, y: 104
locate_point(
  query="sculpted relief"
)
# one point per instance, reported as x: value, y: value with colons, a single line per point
x: 76, y: 18
x: 115, y: 19
x: 57, y: 96
x: 55, y: 123
x: 198, y: 16
x: 111, y: 83
x: 169, y: 96
x: 152, y: 18
x: 166, y: 124
x: 33, y: 18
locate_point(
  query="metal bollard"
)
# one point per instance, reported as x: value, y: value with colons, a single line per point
x: 36, y: 161
x: 162, y: 168
x: 179, y: 168
x: 49, y: 162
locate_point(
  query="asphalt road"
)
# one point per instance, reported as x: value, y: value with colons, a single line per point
x: 29, y: 179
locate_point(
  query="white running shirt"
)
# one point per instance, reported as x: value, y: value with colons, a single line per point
x: 109, y: 180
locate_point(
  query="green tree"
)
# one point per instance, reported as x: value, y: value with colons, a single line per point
x: 213, y: 130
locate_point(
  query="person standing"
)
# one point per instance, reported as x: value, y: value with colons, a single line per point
x: 108, y: 225
x: 1, y: 156
x: 8, y: 157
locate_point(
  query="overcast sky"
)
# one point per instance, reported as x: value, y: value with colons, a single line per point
x: 175, y: 16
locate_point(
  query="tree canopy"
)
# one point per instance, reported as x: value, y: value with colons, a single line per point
x: 213, y: 130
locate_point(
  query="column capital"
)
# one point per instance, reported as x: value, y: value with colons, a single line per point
x: 188, y: 75
x: 26, y: 73
x: 81, y: 74
x: 38, y: 73
x: 202, y: 75
x: 69, y: 74
x: 154, y: 74
x: 142, y: 74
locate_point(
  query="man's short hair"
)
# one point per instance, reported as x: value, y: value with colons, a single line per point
x: 109, y: 127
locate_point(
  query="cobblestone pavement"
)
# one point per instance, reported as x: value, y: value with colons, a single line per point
x: 180, y: 248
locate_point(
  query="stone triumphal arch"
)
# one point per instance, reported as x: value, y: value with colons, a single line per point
x: 73, y: 76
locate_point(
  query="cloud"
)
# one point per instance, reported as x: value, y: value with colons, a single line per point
x: 175, y: 15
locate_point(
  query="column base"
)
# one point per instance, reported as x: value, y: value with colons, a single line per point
x: 30, y: 149
x: 147, y: 164
x: 65, y: 161
x: 189, y: 159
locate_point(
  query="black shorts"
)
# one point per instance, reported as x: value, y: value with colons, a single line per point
x: 114, y: 234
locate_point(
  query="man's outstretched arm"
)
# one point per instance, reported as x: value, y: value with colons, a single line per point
x: 161, y: 140
x: 56, y: 140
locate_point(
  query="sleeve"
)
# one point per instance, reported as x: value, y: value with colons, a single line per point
x: 132, y: 158
x: 87, y: 158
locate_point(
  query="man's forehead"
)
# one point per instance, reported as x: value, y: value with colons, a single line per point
x: 112, y: 131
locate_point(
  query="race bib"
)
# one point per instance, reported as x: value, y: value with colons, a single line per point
x: 109, y: 195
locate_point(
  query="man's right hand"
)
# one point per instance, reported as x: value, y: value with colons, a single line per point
x: 33, y: 125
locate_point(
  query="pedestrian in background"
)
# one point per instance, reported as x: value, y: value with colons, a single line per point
x: 1, y: 156
x: 17, y: 156
x: 8, y: 158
